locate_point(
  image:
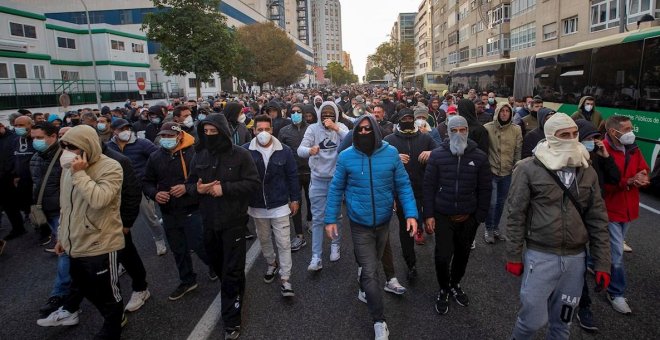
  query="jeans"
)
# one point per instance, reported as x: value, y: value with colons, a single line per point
x: 54, y: 223
x: 282, y: 231
x: 303, y: 179
x: 184, y: 232
x: 369, y: 245
x: 500, y: 191
x: 452, y: 248
x: 318, y: 191
x: 62, y: 285
x: 618, y: 274
x: 149, y: 217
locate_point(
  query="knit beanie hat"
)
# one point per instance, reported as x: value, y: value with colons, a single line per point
x: 421, y: 111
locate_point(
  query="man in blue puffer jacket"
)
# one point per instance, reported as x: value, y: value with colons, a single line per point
x: 369, y: 174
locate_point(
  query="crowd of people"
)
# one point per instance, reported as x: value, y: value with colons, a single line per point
x: 560, y: 190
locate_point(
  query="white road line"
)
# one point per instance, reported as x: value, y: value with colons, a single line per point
x: 649, y: 208
x: 210, y: 319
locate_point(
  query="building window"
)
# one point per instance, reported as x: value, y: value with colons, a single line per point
x: 496, y: 44
x: 142, y: 75
x: 637, y: 8
x: 453, y: 38
x: 121, y: 75
x: 463, y: 34
x: 70, y: 75
x: 138, y: 48
x: 523, y: 36
x: 210, y: 83
x: 499, y: 15
x: 22, y: 30
x: 604, y: 14
x: 192, y: 82
x: 20, y: 71
x: 464, y: 54
x: 451, y: 19
x: 4, y: 72
x: 480, y: 26
x: 39, y: 72
x: 117, y: 45
x: 550, y: 31
x: 570, y: 25
x: 480, y: 51
x: 66, y: 43
x: 125, y: 17
x: 522, y: 6
x: 452, y: 58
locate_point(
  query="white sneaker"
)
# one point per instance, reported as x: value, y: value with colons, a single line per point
x: 334, y: 252
x: 315, y: 264
x: 362, y: 296
x: 382, y: 333
x: 161, y: 248
x: 393, y: 286
x: 60, y: 317
x: 137, y: 300
x: 620, y: 304
x: 626, y: 247
x: 121, y: 270
x: 474, y: 245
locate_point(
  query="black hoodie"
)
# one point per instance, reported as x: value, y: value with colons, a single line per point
x: 477, y: 132
x: 235, y: 170
x: 239, y: 132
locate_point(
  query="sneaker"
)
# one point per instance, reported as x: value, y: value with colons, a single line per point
x: 212, y: 275
x: 442, y: 302
x: 334, y: 252
x: 271, y: 272
x: 474, y: 245
x: 488, y: 237
x: 15, y: 234
x: 315, y: 264
x: 137, y: 300
x: 181, y: 290
x: 498, y: 236
x: 124, y: 320
x: 121, y: 270
x: 249, y: 235
x: 381, y: 331
x: 232, y: 333
x: 298, y: 243
x: 412, y: 274
x: 460, y: 296
x: 161, y: 248
x: 53, y: 304
x: 43, y: 241
x: 586, y: 320
x: 287, y: 289
x: 626, y: 247
x: 60, y: 317
x: 620, y: 304
x: 393, y: 286
x: 50, y: 247
x: 419, y: 237
x: 362, y: 296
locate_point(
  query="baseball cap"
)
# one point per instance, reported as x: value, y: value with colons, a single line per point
x: 170, y: 128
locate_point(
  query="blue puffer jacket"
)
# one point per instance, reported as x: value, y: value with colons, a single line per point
x: 369, y: 184
x: 457, y: 185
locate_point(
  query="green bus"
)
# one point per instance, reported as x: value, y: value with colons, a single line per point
x: 428, y: 81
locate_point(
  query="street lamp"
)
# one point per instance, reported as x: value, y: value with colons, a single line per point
x: 91, y: 43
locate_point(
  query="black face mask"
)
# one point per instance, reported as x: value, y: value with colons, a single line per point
x: 75, y: 121
x: 365, y: 143
x: 318, y: 105
x: 217, y: 144
x: 533, y: 113
x: 407, y: 126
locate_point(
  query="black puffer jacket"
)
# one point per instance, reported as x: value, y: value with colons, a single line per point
x: 7, y: 161
x: 535, y: 136
x: 477, y: 132
x: 235, y: 170
x: 457, y: 185
x: 131, y: 189
x: 50, y: 202
x: 291, y: 136
x: 413, y: 144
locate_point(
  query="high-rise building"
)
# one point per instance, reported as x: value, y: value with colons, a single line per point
x: 326, y: 32
x: 346, y: 61
x: 404, y: 28
x: 298, y: 19
x: 423, y: 43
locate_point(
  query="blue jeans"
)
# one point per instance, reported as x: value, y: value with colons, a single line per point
x: 618, y: 274
x: 185, y: 232
x: 62, y: 286
x: 501, y: 186
x: 318, y: 192
x: 53, y: 223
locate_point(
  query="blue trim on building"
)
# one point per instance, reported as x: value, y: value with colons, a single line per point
x: 234, y: 13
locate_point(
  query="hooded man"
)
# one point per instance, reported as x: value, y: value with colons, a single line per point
x: 320, y: 144
x: 477, y: 132
x: 533, y: 137
x: 239, y: 132
x: 440, y: 132
x: 318, y: 101
x: 223, y: 176
x: 368, y: 174
x: 457, y: 190
x: 554, y: 209
x: 587, y: 110
x: 23, y: 151
x: 156, y: 118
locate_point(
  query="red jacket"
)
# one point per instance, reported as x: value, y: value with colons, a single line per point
x: 622, y: 202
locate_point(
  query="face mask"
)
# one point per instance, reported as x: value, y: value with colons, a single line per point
x: 101, y: 126
x: 66, y: 158
x: 588, y: 108
x: 420, y: 123
x: 201, y: 116
x: 457, y: 143
x: 124, y: 136
x: 627, y: 138
x: 589, y: 145
x: 366, y: 143
x: 406, y: 126
x: 318, y: 105
x: 39, y: 145
x: 264, y: 138
x: 75, y: 121
x: 529, y: 107
x: 305, y: 101
x: 21, y: 131
x: 68, y: 120
x: 409, y: 100
x: 368, y: 103
x: 517, y: 109
x: 491, y: 101
x: 188, y: 122
x: 241, y: 118
x: 155, y: 120
x: 168, y: 143
x: 217, y: 144
x: 296, y: 117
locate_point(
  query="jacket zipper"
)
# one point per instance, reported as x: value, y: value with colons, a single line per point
x: 263, y: 181
x: 458, y: 165
x: 69, y: 226
x: 373, y: 202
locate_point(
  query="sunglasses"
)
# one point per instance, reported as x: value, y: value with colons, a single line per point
x: 365, y: 128
x: 296, y: 111
x: 70, y: 147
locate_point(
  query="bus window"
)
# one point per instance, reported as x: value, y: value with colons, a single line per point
x: 573, y: 73
x: 614, y: 74
x: 650, y: 82
x: 545, y: 79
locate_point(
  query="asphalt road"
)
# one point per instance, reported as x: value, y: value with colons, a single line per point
x: 326, y: 305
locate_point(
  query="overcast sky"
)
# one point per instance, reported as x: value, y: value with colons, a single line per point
x: 366, y: 24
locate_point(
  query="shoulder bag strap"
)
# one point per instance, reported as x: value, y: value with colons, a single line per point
x: 45, y: 179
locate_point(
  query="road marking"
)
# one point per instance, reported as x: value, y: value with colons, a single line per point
x: 211, y: 317
x: 649, y: 208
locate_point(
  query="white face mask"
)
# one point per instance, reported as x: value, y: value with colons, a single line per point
x: 588, y: 108
x: 627, y: 138
x: 264, y: 138
x: 124, y: 136
x: 66, y: 158
x: 188, y: 122
x: 241, y: 118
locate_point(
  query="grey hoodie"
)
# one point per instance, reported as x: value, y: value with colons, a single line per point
x: 322, y: 165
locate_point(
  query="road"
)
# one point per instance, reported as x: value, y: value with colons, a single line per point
x: 326, y: 305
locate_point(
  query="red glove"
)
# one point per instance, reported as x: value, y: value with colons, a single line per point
x: 602, y: 281
x: 516, y: 268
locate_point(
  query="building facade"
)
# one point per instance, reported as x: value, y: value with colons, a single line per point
x: 346, y: 61
x: 423, y: 35
x: 326, y: 32
x: 403, y: 29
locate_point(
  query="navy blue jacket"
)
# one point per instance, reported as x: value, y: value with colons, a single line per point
x: 138, y: 151
x: 457, y: 185
x: 279, y: 183
x: 131, y: 189
x: 413, y: 144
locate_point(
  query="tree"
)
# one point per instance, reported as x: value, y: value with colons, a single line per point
x: 394, y: 57
x: 268, y: 55
x: 338, y: 75
x: 193, y: 37
x: 375, y: 73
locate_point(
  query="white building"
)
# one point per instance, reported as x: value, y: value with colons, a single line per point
x: 326, y: 32
x: 423, y: 34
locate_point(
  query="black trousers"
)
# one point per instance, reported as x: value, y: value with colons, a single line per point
x: 226, y: 250
x: 452, y: 248
x: 297, y: 218
x: 407, y: 241
x: 131, y: 260
x: 96, y: 278
x: 10, y: 205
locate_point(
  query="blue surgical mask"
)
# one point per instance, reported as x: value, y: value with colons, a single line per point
x: 517, y: 109
x: 168, y: 143
x: 201, y: 116
x: 155, y: 120
x: 589, y: 145
x: 39, y: 145
x: 101, y: 126
x: 296, y: 117
x: 21, y: 131
x: 491, y: 100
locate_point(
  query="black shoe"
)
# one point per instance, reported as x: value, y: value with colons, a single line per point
x: 212, y: 275
x: 15, y: 234
x: 44, y: 240
x: 181, y: 290
x: 586, y: 320
x: 53, y: 303
x: 232, y: 333
x: 249, y: 236
x: 271, y: 272
x: 460, y: 296
x: 412, y: 273
x: 442, y: 302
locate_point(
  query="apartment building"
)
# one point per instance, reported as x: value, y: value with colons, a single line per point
x: 326, y: 32
x: 423, y: 35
